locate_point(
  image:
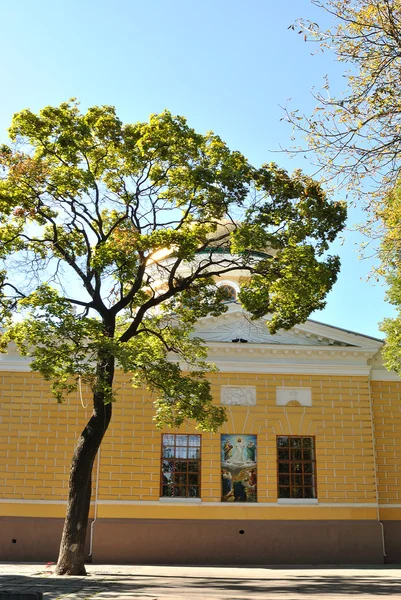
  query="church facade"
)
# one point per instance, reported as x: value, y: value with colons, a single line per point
x: 306, y: 469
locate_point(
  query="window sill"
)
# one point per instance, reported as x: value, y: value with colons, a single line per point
x: 180, y: 500
x: 297, y: 501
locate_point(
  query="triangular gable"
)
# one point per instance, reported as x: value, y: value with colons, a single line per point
x: 235, y: 326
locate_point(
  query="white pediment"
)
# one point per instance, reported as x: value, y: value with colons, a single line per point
x: 236, y: 326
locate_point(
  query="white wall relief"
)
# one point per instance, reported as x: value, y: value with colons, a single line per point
x: 238, y: 395
x: 284, y: 395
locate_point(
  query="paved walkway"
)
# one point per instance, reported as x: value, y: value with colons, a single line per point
x: 206, y: 583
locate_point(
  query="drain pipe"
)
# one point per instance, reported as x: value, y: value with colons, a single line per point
x: 374, y: 457
x: 95, y: 511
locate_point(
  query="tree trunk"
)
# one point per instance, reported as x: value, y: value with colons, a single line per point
x: 72, y: 548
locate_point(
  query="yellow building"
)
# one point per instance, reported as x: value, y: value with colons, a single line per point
x: 305, y: 470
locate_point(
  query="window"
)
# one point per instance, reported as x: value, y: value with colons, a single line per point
x: 296, y: 466
x: 238, y: 468
x: 180, y: 466
x: 229, y: 291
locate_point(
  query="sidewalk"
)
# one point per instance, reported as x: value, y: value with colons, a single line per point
x: 205, y: 583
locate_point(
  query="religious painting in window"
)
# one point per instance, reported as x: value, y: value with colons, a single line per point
x: 180, y: 466
x: 238, y: 468
x: 296, y: 466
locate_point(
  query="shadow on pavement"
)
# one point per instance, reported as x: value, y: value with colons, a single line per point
x: 119, y: 585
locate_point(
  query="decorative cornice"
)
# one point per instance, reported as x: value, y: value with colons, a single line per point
x: 286, y: 359
x: 287, y: 350
x: 265, y: 358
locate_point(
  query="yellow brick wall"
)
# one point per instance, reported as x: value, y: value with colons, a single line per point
x: 37, y: 438
x: 339, y: 418
x: 386, y: 399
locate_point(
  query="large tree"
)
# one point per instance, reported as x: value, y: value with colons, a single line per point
x: 389, y: 213
x: 355, y: 136
x: 356, y: 133
x: 112, y: 237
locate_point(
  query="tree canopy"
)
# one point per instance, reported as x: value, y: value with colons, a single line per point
x: 356, y: 134
x: 112, y: 237
x: 88, y: 205
x: 390, y: 268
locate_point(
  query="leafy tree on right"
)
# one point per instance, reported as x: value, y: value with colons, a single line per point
x: 358, y: 133
x: 355, y: 137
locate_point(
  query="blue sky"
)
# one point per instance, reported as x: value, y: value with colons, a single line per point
x: 227, y: 66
